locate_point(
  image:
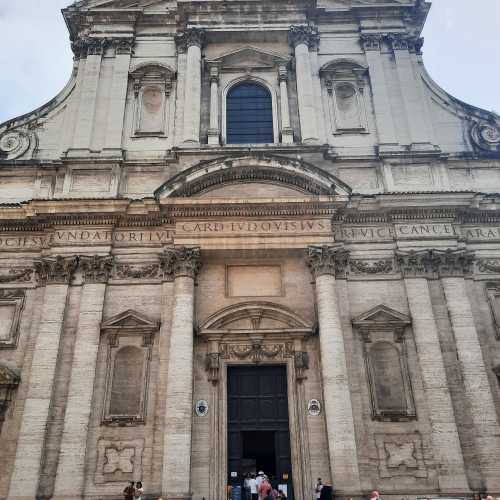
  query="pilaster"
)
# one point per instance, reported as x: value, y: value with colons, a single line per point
x: 192, y: 41
x: 214, y: 131
x: 286, y: 129
x: 302, y: 38
x: 447, y: 450
x: 55, y: 274
x: 184, y: 264
x: 325, y: 262
x: 70, y: 475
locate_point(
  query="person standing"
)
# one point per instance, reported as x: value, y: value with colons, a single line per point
x: 375, y: 495
x: 139, y: 490
x: 253, y: 488
x: 265, y: 488
x: 129, y: 491
x: 259, y: 479
x: 246, y: 487
x: 318, y: 488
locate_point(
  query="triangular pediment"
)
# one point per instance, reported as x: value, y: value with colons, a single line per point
x: 8, y: 377
x: 255, y: 317
x: 381, y: 315
x: 130, y: 320
x: 249, y: 57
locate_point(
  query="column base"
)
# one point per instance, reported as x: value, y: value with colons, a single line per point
x: 287, y: 136
x: 213, y: 137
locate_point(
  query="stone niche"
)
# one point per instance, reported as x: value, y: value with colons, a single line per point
x: 11, y: 306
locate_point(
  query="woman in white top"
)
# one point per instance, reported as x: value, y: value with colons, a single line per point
x: 139, y: 490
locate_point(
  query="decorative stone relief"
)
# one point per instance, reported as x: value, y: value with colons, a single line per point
x: 486, y: 136
x: 302, y: 33
x: 96, y: 268
x: 21, y: 275
x: 14, y: 144
x: 359, y: 267
x: 137, y: 271
x: 328, y: 260
x: 11, y: 306
x: 201, y: 408
x: 314, y: 407
x: 257, y: 351
x: 488, y: 266
x: 119, y: 461
x: 400, y: 455
x: 9, y: 380
x: 58, y: 269
x: 301, y: 359
x: 212, y: 366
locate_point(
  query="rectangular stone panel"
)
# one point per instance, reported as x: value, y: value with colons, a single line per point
x: 7, y: 315
x: 253, y: 281
x: 91, y: 181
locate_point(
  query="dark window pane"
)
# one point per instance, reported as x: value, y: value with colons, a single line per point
x: 249, y: 114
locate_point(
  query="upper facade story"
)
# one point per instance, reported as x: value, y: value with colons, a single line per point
x: 159, y: 86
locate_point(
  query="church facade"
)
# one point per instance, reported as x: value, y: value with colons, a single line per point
x: 249, y: 236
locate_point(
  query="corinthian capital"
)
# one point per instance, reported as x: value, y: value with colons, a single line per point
x: 371, y: 41
x: 189, y: 37
x: 328, y: 260
x: 57, y: 269
x: 96, y: 268
x: 181, y: 261
x: 302, y: 33
x: 415, y: 263
x: 432, y: 263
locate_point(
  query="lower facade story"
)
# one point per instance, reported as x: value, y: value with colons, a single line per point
x: 190, y: 347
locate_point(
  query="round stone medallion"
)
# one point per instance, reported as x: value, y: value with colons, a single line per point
x: 14, y: 144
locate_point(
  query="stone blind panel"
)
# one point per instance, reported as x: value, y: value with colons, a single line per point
x: 91, y: 181
x: 7, y: 314
x: 253, y: 281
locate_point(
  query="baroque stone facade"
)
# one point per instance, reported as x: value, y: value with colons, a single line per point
x: 146, y: 256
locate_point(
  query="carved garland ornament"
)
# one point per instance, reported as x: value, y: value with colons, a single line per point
x: 17, y: 276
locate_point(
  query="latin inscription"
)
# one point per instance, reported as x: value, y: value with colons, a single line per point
x: 398, y: 231
x: 322, y: 226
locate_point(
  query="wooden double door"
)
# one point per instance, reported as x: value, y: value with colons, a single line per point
x: 258, y: 424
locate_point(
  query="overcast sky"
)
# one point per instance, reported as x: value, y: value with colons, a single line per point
x: 461, y: 52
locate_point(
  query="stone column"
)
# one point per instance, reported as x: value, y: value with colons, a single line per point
x: 185, y: 263
x: 82, y: 137
x: 301, y: 38
x: 55, y: 273
x: 444, y: 432
x: 118, y: 95
x: 388, y: 140
x: 419, y: 132
x: 192, y: 40
x: 70, y: 476
x: 213, y: 131
x: 452, y: 267
x: 286, y: 129
x: 324, y: 263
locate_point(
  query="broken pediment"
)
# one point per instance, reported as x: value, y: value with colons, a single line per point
x: 253, y: 317
x: 249, y: 57
x: 130, y: 321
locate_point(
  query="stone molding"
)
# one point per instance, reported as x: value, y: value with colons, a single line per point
x: 55, y: 270
x: 303, y: 34
x: 189, y: 37
x: 328, y: 260
x: 181, y: 261
x: 96, y: 268
x: 9, y: 381
x: 435, y: 263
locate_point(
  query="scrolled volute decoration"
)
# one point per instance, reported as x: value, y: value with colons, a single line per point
x: 181, y: 261
x: 58, y: 269
x: 486, y: 136
x: 305, y: 34
x: 328, y: 260
x: 14, y: 144
x: 96, y: 268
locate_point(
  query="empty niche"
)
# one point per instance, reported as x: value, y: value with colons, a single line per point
x: 253, y: 281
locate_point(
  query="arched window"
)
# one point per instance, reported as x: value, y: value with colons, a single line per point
x: 249, y: 114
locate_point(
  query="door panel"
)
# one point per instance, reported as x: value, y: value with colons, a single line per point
x: 258, y: 406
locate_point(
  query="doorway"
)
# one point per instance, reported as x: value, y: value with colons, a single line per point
x: 258, y: 424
